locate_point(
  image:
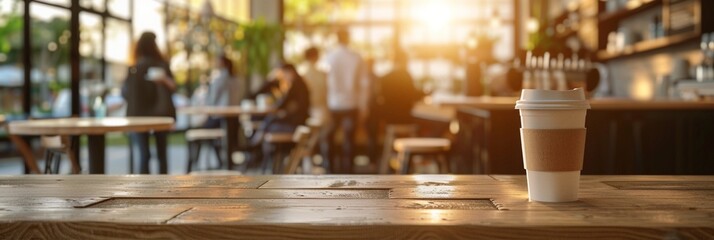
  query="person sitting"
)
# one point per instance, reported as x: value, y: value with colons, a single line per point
x: 220, y: 88
x: 291, y: 110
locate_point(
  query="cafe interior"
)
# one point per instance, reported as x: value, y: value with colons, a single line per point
x: 419, y: 93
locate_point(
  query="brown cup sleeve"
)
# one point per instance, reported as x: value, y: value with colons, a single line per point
x: 553, y: 150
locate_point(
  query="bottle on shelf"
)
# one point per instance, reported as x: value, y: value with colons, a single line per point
x: 705, y: 70
x: 528, y: 72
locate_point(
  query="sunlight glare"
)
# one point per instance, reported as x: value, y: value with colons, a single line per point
x: 433, y: 13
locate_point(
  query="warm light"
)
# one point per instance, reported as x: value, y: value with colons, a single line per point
x: 495, y: 22
x: 532, y: 25
x: 642, y: 88
x: 472, y: 43
x: 433, y: 13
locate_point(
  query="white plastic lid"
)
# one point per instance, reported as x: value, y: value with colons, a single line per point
x: 552, y: 99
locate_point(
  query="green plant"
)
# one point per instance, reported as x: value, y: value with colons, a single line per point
x: 257, y: 42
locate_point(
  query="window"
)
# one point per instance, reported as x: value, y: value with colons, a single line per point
x: 11, y: 68
x: 51, y: 95
x: 434, y: 33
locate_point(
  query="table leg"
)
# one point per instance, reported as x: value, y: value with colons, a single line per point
x: 96, y: 147
x: 231, y: 127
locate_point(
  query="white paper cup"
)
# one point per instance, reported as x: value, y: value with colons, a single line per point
x: 264, y: 101
x: 548, y: 109
x: 247, y: 104
x: 155, y: 73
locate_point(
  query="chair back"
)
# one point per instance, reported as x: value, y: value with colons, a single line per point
x: 301, y: 138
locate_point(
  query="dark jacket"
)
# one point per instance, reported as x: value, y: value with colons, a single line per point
x: 397, y: 97
x: 293, y: 109
x: 146, y: 98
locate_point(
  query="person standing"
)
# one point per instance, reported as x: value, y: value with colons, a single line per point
x: 148, y: 91
x: 316, y: 80
x: 396, y: 108
x: 346, y: 82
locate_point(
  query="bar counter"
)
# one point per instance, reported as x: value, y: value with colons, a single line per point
x: 624, y: 136
x: 345, y: 207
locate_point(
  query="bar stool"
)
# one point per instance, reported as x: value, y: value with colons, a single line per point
x: 392, y: 132
x: 275, y: 146
x: 410, y: 147
x: 198, y: 137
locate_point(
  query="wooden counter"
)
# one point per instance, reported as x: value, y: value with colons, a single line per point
x: 624, y: 136
x: 344, y: 207
x: 505, y: 103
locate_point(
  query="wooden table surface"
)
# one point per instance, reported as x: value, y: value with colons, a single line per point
x: 343, y: 207
x: 94, y: 128
x: 509, y: 103
x: 82, y: 126
x: 228, y: 111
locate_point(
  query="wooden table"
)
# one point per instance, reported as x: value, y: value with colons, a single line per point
x: 624, y: 136
x: 231, y: 115
x: 94, y: 128
x: 351, y: 207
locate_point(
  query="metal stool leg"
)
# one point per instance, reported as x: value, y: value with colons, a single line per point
x: 49, y: 155
x: 57, y: 159
x: 217, y: 149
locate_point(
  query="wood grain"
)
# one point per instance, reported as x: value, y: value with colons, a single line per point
x: 93, y: 230
x: 350, y: 207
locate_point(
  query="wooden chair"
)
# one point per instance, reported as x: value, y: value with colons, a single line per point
x: 199, y: 137
x: 302, y: 150
x: 54, y: 147
x: 392, y: 132
x: 22, y: 147
x: 410, y: 147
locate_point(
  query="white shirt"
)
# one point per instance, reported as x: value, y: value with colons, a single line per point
x: 316, y: 80
x: 346, y: 79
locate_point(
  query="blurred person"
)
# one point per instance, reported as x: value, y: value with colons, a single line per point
x: 220, y: 88
x: 149, y: 96
x: 397, y: 93
x: 346, y: 101
x: 291, y: 109
x: 316, y: 80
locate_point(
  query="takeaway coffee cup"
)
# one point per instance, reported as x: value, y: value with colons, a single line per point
x: 553, y: 142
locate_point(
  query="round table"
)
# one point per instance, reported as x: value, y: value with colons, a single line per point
x: 231, y: 115
x: 94, y: 128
